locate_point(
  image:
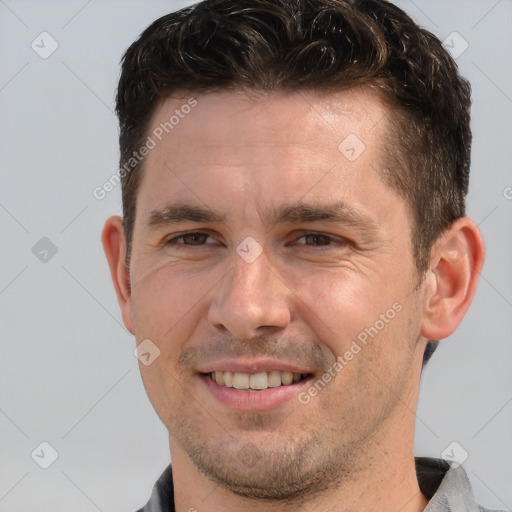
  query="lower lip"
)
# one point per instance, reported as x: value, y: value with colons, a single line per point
x: 263, y: 400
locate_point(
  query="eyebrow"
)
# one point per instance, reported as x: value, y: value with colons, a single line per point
x: 179, y: 212
x: 294, y: 213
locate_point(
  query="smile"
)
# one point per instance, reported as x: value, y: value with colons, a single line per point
x: 256, y: 381
x: 260, y: 391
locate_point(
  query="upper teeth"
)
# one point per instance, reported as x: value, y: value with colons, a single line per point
x: 261, y: 380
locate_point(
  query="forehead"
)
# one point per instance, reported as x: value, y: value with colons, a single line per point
x: 280, y: 145
x: 245, y: 117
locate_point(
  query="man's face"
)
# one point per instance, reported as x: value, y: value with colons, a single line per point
x: 276, y: 286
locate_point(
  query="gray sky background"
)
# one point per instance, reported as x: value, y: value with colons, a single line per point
x: 67, y: 373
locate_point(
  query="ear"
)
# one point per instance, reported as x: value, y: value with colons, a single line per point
x: 456, y: 263
x: 114, y: 246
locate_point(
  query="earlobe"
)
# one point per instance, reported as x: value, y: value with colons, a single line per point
x: 457, y: 260
x: 113, y: 242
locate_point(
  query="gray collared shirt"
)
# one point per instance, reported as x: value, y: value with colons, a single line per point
x: 447, y: 488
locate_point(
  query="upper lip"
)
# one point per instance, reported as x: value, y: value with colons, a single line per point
x: 251, y: 366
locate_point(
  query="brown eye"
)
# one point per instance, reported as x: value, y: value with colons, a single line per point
x: 317, y: 239
x: 195, y: 238
x: 321, y: 241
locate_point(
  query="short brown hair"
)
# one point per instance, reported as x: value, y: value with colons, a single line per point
x: 328, y: 45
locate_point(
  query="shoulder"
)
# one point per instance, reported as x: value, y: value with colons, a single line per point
x: 446, y: 486
x: 162, y: 496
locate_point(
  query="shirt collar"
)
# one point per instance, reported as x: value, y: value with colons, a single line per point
x: 447, y: 487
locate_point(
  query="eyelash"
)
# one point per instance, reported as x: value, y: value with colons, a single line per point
x: 172, y: 241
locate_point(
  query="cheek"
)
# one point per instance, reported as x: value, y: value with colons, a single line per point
x: 166, y: 302
x: 373, y: 361
x: 345, y: 306
x: 163, y: 313
x: 165, y: 310
x: 371, y: 327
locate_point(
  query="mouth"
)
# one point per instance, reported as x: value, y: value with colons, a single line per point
x: 256, y: 381
x: 261, y: 391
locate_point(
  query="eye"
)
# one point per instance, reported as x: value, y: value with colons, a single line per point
x: 318, y: 240
x: 189, y: 239
x: 311, y: 239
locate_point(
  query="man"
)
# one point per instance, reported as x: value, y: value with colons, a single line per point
x: 293, y: 245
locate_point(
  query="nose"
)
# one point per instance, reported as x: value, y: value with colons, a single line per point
x: 251, y: 297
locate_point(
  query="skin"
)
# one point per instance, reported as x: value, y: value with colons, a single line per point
x: 300, y: 301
